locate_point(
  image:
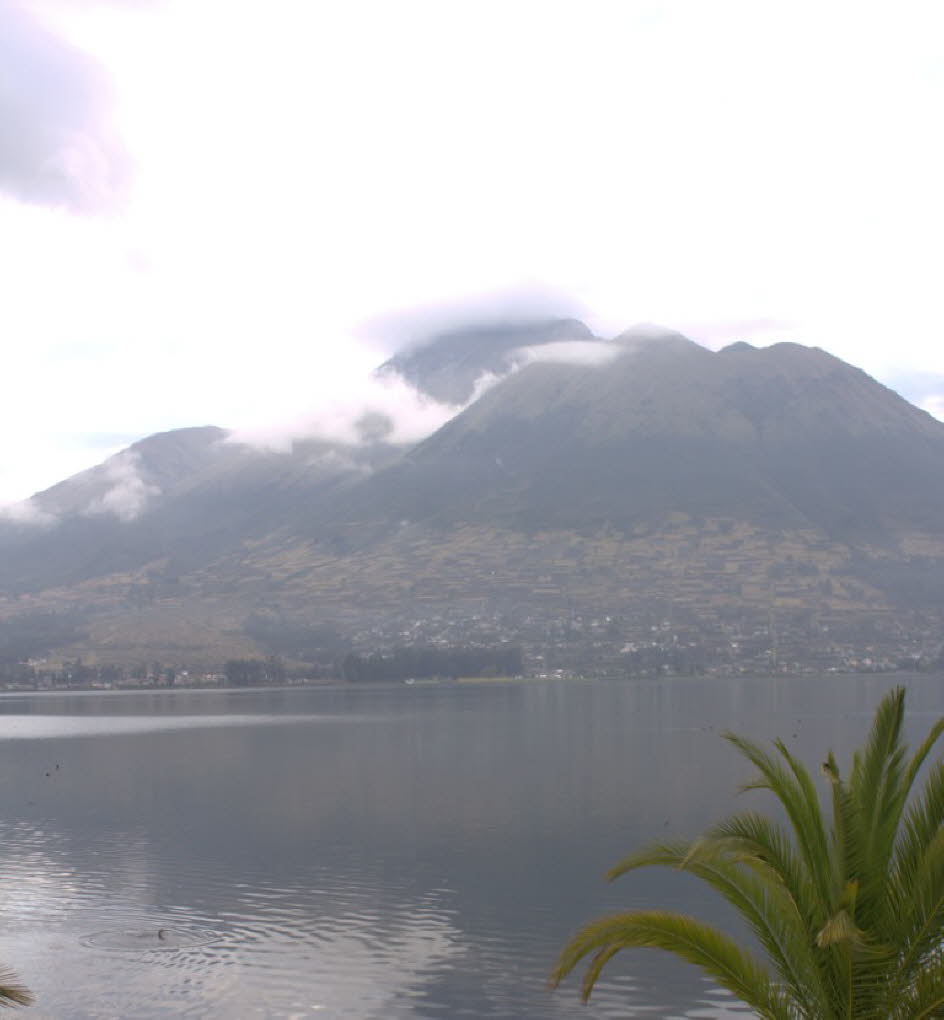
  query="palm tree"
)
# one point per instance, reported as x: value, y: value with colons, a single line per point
x: 850, y: 913
x: 12, y: 993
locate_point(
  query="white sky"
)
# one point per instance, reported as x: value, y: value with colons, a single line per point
x: 267, y: 177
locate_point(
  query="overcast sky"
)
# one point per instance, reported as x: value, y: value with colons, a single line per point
x: 212, y: 210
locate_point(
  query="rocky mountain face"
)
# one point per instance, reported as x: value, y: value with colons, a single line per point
x: 654, y: 473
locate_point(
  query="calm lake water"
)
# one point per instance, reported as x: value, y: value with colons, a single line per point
x: 384, y: 853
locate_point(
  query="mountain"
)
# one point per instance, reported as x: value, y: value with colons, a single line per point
x: 447, y: 366
x: 178, y: 499
x: 780, y: 437
x: 125, y: 482
x: 646, y: 480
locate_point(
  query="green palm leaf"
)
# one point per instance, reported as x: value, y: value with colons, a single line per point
x: 754, y: 889
x: 849, y: 911
x: 925, y: 996
x: 719, y: 956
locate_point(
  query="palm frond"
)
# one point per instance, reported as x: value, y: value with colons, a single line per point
x: 793, y: 789
x: 846, y: 831
x: 922, y: 927
x: 877, y: 785
x: 920, y: 756
x: 921, y: 824
x: 765, y: 844
x: 850, y: 915
x: 716, y: 954
x: 871, y: 764
x: 757, y: 892
x: 924, y: 998
x: 12, y: 992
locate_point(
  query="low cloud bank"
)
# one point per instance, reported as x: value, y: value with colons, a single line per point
x: 128, y: 493
x: 356, y: 411
x: 374, y: 409
x: 115, y: 488
x: 397, y: 332
x: 385, y: 407
x: 567, y: 352
x: 26, y: 511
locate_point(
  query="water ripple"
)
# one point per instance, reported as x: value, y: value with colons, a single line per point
x: 152, y: 939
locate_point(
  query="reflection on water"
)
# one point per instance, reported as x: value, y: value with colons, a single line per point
x: 34, y: 727
x: 372, y: 853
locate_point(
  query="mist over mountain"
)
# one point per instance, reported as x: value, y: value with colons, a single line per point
x: 177, y: 499
x: 123, y: 484
x: 592, y: 477
x: 448, y: 365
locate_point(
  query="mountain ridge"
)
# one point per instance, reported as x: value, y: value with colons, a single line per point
x: 663, y: 415
x: 744, y: 479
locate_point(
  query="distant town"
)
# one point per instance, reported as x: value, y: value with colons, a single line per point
x: 448, y: 645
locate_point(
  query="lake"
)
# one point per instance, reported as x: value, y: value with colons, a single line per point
x: 384, y: 852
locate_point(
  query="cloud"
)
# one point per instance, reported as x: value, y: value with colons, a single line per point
x: 57, y: 146
x: 357, y: 411
x: 26, y: 511
x: 133, y: 5
x: 561, y: 352
x: 128, y: 493
x: 567, y: 352
x: 385, y: 406
x: 337, y: 462
x: 519, y: 305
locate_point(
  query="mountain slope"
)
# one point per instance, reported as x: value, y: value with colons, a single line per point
x: 781, y: 437
x: 177, y: 500
x: 123, y: 484
x: 744, y: 480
